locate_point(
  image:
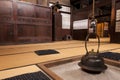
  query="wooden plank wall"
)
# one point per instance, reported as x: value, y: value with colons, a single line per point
x: 24, y: 22
x: 79, y: 34
x: 83, y: 13
x: 59, y: 33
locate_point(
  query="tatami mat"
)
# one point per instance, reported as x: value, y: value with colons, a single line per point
x: 18, y: 71
x: 28, y: 58
x: 117, y: 50
x: 103, y: 40
x: 31, y: 48
x: 41, y: 44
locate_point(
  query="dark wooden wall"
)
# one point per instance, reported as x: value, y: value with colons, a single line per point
x: 115, y: 36
x: 24, y: 22
x: 79, y: 34
x: 58, y: 32
x: 83, y: 13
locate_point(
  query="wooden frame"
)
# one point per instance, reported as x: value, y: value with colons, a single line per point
x: 44, y: 66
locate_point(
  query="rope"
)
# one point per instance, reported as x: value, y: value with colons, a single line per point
x: 93, y: 9
x: 94, y: 25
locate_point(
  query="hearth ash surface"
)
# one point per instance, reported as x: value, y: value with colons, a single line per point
x: 71, y: 71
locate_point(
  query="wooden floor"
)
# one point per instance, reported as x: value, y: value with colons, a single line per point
x: 15, y: 56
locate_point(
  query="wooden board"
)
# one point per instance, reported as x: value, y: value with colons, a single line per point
x: 21, y: 56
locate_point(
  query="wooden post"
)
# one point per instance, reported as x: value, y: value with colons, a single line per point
x: 112, y: 27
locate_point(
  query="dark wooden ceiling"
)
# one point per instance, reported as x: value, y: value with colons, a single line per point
x: 104, y: 4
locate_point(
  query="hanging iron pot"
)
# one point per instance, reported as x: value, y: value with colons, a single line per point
x: 91, y: 61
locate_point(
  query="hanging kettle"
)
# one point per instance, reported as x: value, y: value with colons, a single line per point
x: 91, y: 61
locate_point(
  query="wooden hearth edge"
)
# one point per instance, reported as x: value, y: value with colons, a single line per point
x: 44, y: 66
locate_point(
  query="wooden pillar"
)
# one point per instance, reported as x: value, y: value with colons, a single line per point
x: 112, y: 27
x: 71, y: 21
x: 57, y: 26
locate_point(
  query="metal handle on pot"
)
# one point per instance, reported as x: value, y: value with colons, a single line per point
x: 86, y: 43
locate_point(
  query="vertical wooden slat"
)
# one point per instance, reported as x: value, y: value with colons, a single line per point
x: 15, y: 18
